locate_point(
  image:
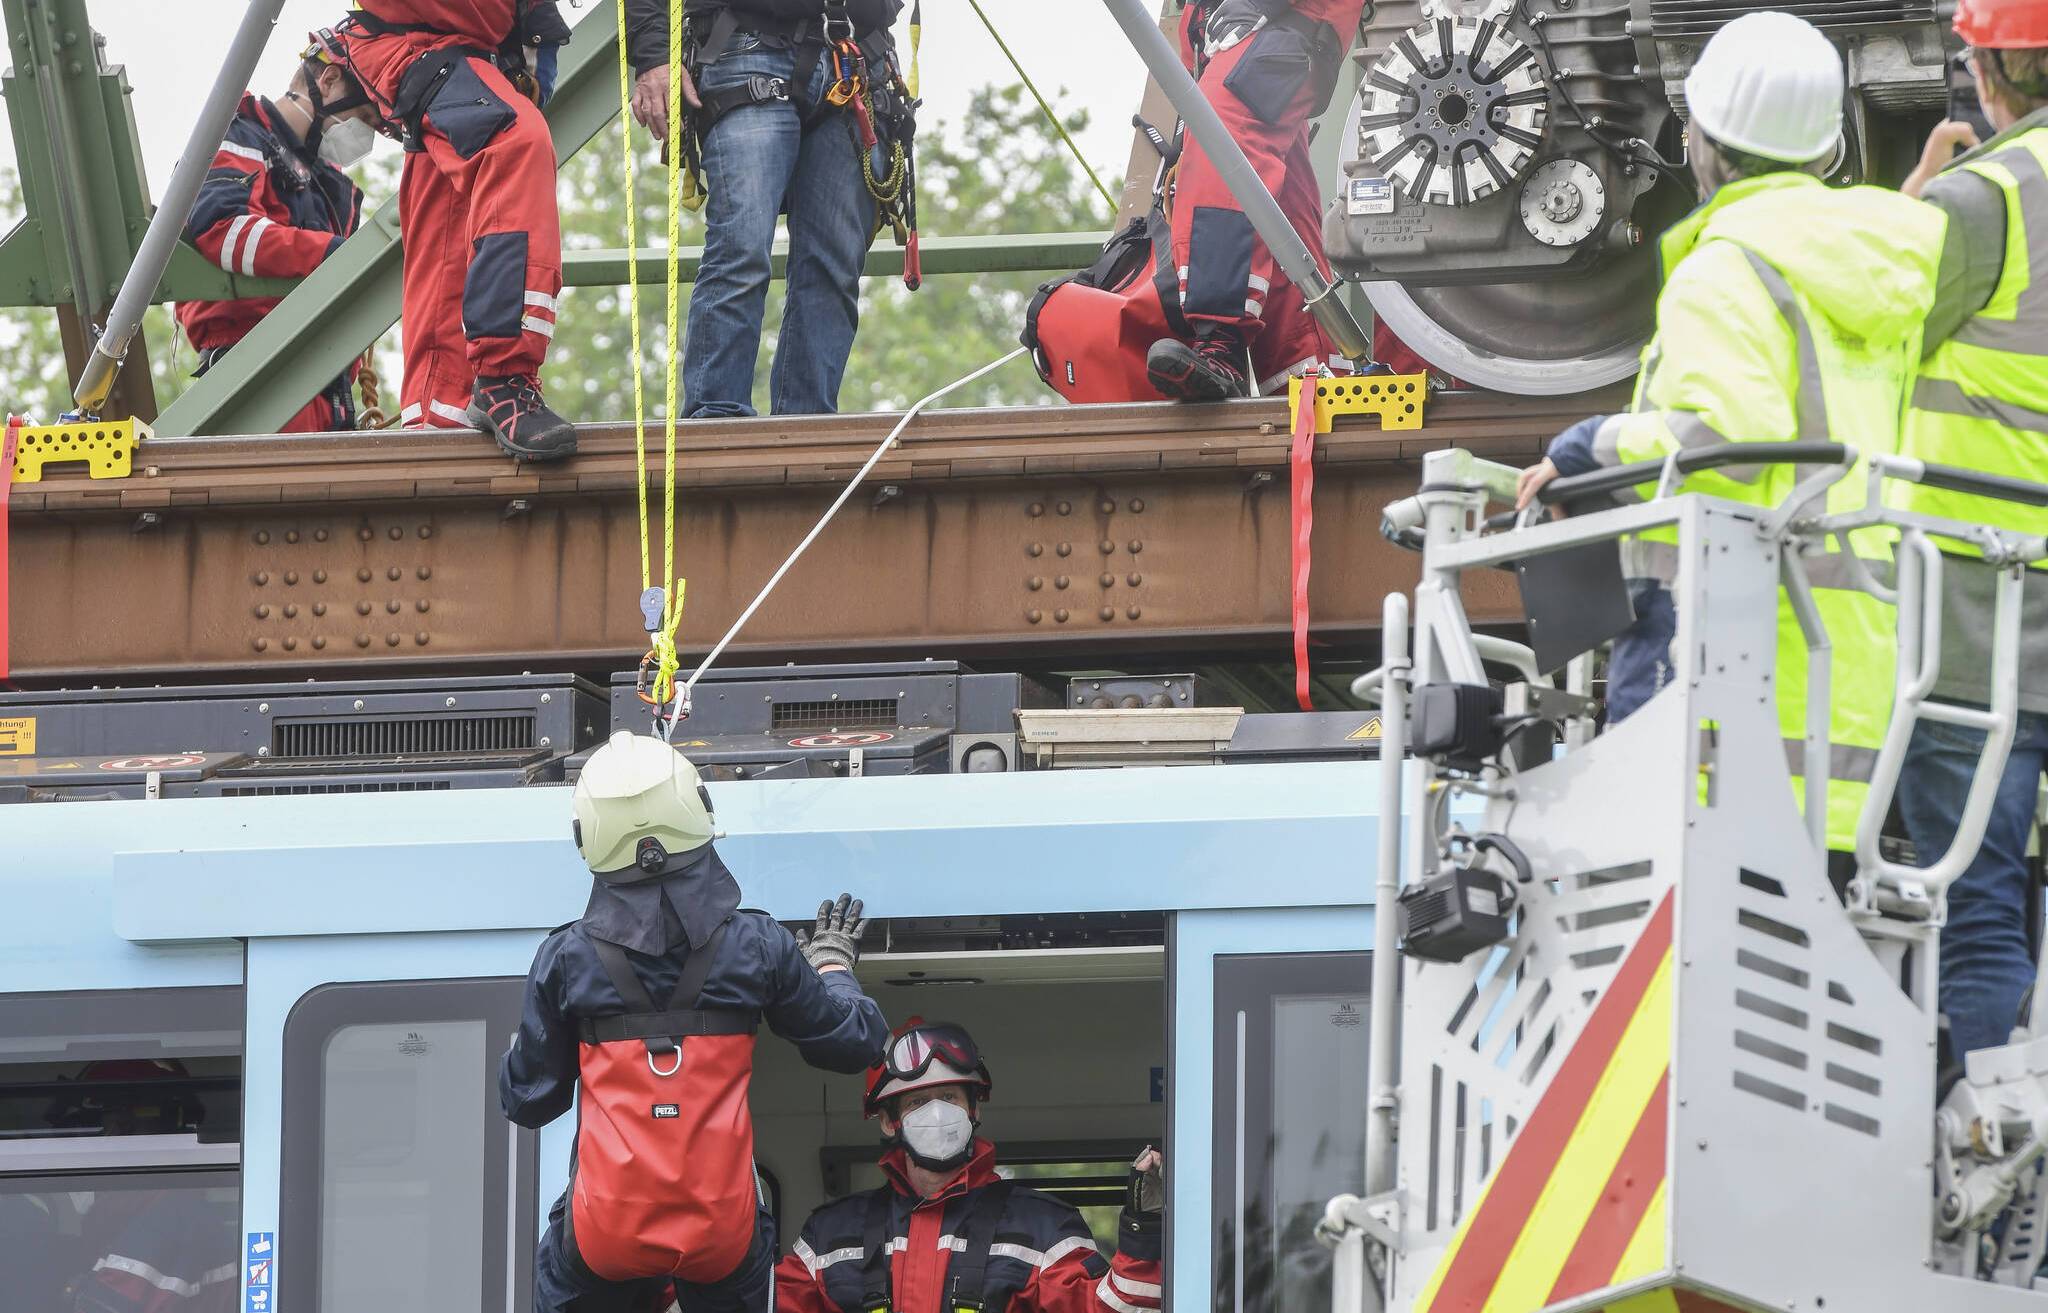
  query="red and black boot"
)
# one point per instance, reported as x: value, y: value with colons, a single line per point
x: 511, y: 410
x: 1211, y: 368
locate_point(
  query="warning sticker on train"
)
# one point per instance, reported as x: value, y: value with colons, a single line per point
x: 177, y: 761
x: 853, y: 739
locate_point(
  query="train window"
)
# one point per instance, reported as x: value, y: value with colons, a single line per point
x: 1290, y: 1103
x: 120, y: 1113
x: 418, y: 1193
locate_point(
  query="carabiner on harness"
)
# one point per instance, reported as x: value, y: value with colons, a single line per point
x: 838, y: 22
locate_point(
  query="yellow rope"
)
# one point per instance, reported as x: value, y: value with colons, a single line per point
x: 1050, y: 117
x: 663, y: 656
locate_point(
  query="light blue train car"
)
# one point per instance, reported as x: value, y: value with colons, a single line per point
x: 1172, y: 956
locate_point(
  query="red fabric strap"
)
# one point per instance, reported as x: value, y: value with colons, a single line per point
x: 1301, y: 462
x: 7, y: 444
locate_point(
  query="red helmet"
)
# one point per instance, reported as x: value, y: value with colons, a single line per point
x: 2003, y: 24
x: 121, y: 1088
x: 923, y: 1054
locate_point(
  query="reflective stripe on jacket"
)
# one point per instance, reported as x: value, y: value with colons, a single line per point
x: 1792, y: 310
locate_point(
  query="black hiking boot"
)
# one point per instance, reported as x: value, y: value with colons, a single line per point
x: 511, y: 410
x: 1211, y: 368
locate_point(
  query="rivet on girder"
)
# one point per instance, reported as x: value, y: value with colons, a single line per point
x: 319, y: 576
x: 263, y: 612
x: 262, y: 645
x: 1066, y: 549
x: 319, y: 643
x: 1133, y: 613
x: 362, y: 640
x: 1061, y: 582
x: 363, y: 575
x: 426, y: 531
x: 396, y: 533
x: 1060, y: 615
x: 1035, y: 549
x: 319, y: 608
x: 1035, y: 582
x: 1137, y: 505
x: 319, y: 535
x: 1134, y: 579
x: 1106, y: 506
x: 1106, y: 547
x: 291, y: 576
x: 394, y: 574
x: 362, y: 608
x: 426, y: 572
x: 392, y: 606
x: 291, y: 644
x: 262, y: 538
x: 291, y: 612
x: 291, y: 535
x: 1107, y: 613
x: 1065, y: 508
x: 1109, y: 581
x: 262, y: 578
x: 1037, y: 509
x: 366, y: 533
x: 1136, y: 547
x: 421, y: 605
x: 420, y: 638
x: 391, y: 640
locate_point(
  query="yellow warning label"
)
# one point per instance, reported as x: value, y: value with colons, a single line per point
x: 17, y: 736
x: 693, y: 743
x: 1369, y: 730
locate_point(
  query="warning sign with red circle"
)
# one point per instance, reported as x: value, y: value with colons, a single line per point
x: 176, y: 762
x: 854, y: 739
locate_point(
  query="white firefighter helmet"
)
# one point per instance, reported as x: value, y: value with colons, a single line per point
x: 638, y: 803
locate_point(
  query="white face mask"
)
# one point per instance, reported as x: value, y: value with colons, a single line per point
x: 938, y: 1131
x: 344, y: 142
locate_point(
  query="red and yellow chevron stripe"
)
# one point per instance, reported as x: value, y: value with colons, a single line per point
x: 1578, y: 1204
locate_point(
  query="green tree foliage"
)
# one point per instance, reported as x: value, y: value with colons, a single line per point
x: 1002, y: 170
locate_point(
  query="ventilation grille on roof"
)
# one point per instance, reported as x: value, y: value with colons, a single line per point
x: 403, y: 736
x: 335, y: 786
x: 1676, y: 20
x: 864, y: 713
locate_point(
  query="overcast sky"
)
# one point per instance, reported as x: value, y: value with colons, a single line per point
x: 172, y: 49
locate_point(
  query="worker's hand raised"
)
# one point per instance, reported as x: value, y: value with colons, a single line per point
x: 651, y: 96
x: 1949, y: 136
x: 1532, y: 481
x: 834, y: 943
x: 1145, y: 1195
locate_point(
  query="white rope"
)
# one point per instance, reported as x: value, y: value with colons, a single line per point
x: 682, y: 703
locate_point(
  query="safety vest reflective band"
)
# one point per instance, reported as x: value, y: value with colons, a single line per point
x: 1981, y: 400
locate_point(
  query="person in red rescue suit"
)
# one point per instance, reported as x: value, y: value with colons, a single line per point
x: 476, y: 207
x: 1268, y: 67
x: 275, y: 204
x: 643, y: 1012
x: 946, y: 1232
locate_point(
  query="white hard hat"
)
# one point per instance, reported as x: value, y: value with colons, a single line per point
x: 638, y: 803
x: 1769, y: 84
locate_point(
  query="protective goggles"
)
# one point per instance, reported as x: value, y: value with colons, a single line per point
x: 912, y: 1053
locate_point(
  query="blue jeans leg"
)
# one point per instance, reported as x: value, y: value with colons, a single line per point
x: 1986, y: 965
x: 749, y: 157
x: 1640, y: 664
x: 831, y: 216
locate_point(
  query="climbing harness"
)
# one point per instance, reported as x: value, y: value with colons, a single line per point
x: 682, y: 701
x: 661, y: 607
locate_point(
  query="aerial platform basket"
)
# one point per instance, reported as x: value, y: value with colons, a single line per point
x: 1686, y: 1076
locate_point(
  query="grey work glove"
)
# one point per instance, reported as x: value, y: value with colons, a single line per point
x: 1144, y: 1197
x: 835, y: 942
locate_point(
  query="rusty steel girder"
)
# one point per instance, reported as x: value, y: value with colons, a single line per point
x: 1085, y: 533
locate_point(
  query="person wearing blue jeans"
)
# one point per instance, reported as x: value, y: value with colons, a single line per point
x: 1987, y: 962
x: 1640, y: 662
x: 771, y: 143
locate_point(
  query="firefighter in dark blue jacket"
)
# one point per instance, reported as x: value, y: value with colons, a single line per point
x: 650, y: 1002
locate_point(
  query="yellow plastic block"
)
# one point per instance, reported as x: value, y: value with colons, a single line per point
x: 1396, y: 398
x: 106, y: 446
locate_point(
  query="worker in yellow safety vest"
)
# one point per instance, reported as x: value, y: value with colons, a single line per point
x: 1791, y: 310
x: 1981, y: 402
